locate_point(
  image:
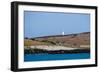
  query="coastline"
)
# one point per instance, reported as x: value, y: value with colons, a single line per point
x: 54, y: 49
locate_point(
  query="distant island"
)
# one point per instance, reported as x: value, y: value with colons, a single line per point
x: 58, y: 44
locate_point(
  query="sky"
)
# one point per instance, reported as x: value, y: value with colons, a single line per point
x: 37, y: 24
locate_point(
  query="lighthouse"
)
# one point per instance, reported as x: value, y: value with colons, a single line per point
x: 63, y: 33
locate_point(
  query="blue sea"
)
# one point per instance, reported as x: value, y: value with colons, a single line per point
x: 48, y: 57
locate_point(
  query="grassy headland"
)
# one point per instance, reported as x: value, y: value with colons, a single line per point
x: 72, y: 43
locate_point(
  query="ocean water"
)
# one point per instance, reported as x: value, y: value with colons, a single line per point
x: 48, y: 57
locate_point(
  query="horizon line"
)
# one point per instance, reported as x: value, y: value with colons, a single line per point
x: 58, y: 35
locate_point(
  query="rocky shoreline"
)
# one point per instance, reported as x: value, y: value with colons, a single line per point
x: 54, y: 50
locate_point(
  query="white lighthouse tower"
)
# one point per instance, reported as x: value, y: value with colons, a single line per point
x: 63, y: 33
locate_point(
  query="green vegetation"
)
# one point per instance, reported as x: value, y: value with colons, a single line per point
x: 34, y: 50
x: 38, y: 51
x: 49, y: 42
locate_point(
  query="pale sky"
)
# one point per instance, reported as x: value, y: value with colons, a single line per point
x: 37, y: 24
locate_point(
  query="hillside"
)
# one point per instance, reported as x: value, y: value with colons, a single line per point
x: 71, y: 40
x: 72, y: 43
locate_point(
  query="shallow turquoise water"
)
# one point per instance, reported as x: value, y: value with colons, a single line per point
x: 47, y: 57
